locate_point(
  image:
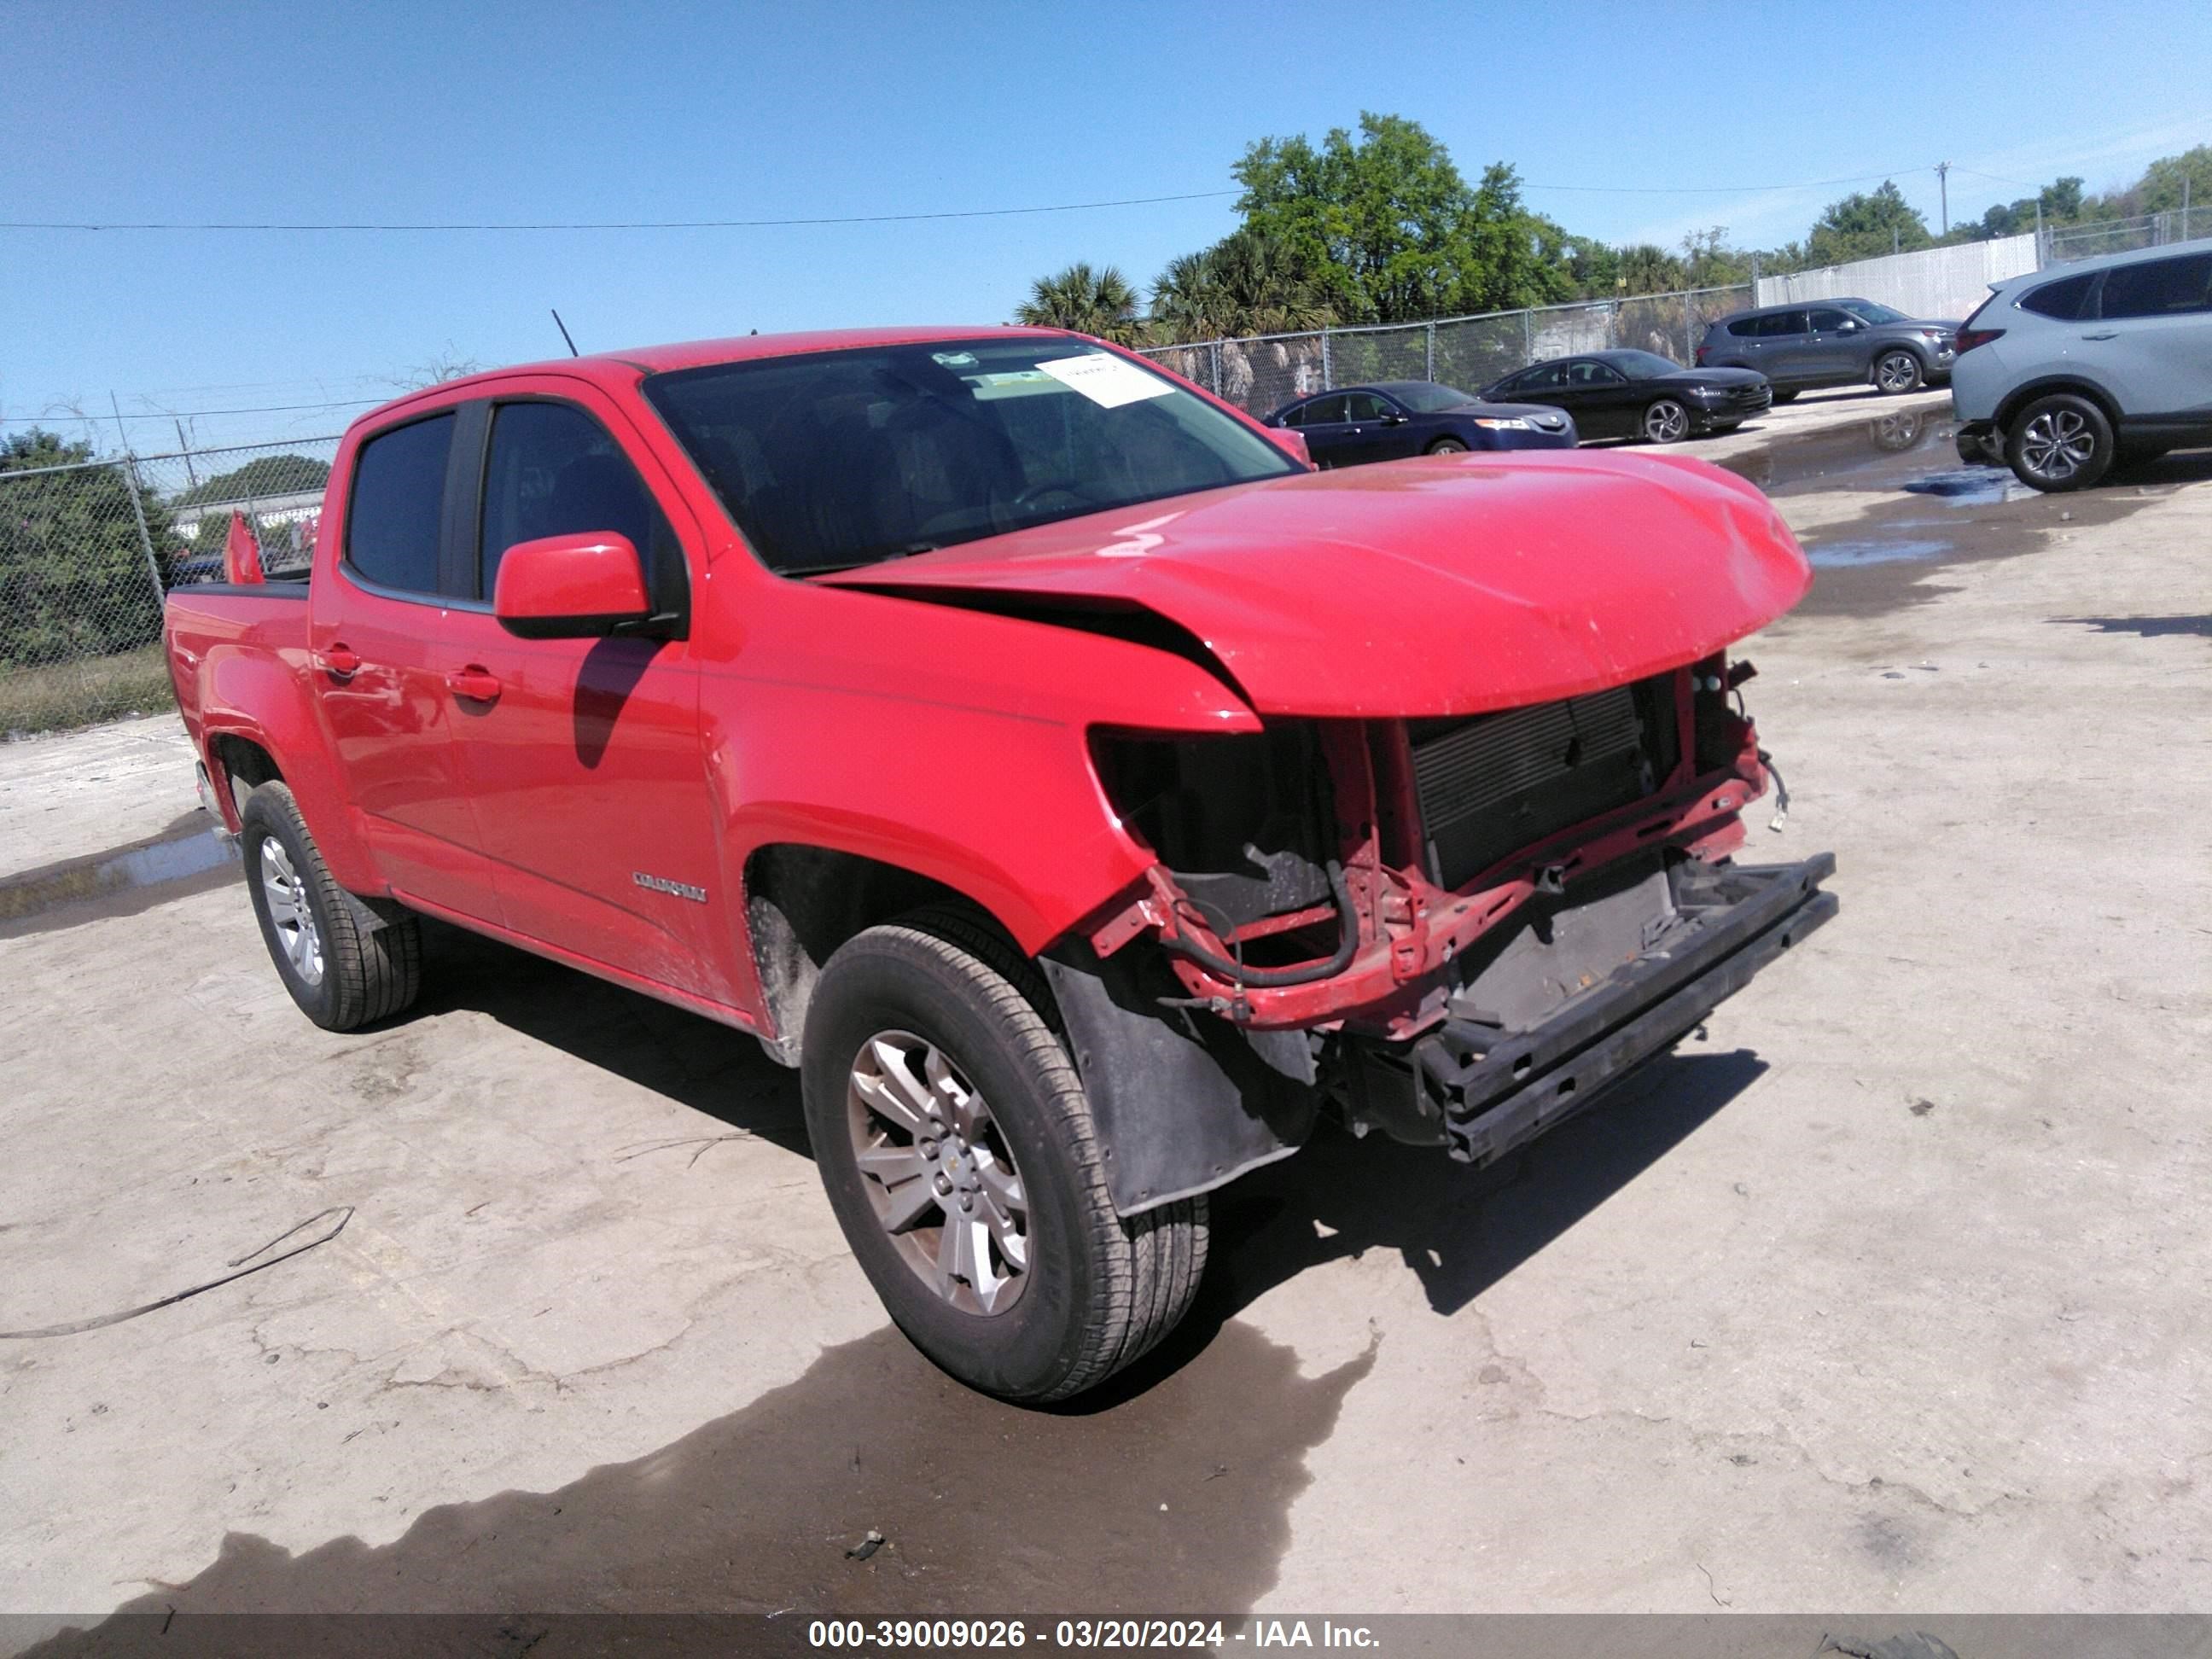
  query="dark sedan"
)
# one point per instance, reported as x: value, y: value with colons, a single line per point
x: 1640, y: 394
x: 1397, y: 418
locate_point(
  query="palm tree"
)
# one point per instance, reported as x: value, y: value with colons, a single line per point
x: 1244, y: 285
x: 1099, y: 301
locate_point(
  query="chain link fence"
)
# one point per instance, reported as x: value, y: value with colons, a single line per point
x: 2063, y: 243
x: 88, y: 548
x: 1261, y: 374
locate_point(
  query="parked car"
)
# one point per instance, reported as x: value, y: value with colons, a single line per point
x: 2065, y: 375
x: 1639, y: 394
x: 1394, y: 419
x: 1832, y: 342
x: 1081, y: 792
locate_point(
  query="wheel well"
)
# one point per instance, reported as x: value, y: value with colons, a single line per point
x: 246, y: 763
x: 801, y: 903
x: 2016, y: 401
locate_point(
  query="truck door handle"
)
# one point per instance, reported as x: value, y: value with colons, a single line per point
x: 2108, y: 334
x: 340, y: 663
x: 477, y: 683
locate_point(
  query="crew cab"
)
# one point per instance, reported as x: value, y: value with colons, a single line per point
x: 1084, y: 794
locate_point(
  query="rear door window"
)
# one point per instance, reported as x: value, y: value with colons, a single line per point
x: 1777, y: 322
x: 397, y: 504
x: 2064, y: 299
x: 1746, y: 327
x: 2160, y: 288
x: 1324, y: 412
x: 1547, y: 377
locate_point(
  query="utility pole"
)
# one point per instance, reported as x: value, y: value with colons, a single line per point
x: 1943, y: 184
x: 191, y: 477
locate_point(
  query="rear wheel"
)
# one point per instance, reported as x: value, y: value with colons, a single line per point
x: 346, y: 960
x: 1447, y: 446
x: 2059, y: 443
x: 958, y: 1149
x: 1665, y: 421
x: 1896, y: 372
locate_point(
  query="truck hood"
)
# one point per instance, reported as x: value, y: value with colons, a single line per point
x: 1447, y: 586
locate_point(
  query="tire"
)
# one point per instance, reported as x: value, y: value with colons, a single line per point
x: 1665, y: 421
x: 346, y: 960
x: 1899, y: 371
x: 1446, y: 447
x: 2059, y: 443
x: 938, y: 1020
x: 1786, y: 397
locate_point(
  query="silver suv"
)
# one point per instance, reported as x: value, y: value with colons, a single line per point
x: 2065, y: 373
x: 1831, y: 342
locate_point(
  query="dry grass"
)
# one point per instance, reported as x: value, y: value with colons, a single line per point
x: 64, y: 696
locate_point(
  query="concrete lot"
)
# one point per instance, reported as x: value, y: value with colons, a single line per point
x: 1888, y: 1294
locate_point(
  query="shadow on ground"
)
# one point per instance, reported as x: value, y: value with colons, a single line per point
x: 711, y: 1068
x: 1179, y: 1498
x: 1171, y: 1492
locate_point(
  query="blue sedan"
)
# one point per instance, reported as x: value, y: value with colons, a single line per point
x: 1393, y: 419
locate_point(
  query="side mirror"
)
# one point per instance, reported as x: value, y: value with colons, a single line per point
x: 1292, y: 443
x: 1392, y: 418
x: 1852, y: 324
x: 570, y: 587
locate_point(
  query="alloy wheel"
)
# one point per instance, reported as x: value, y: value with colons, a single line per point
x: 938, y: 1172
x: 2057, y: 444
x: 1665, y: 421
x: 1897, y: 372
x: 290, y: 913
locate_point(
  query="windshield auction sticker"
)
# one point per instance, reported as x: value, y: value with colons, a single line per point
x: 1107, y: 381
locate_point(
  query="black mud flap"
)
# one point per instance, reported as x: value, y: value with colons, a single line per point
x: 1184, y: 1101
x: 1494, y: 1089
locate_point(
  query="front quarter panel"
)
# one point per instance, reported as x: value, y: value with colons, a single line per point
x: 930, y: 736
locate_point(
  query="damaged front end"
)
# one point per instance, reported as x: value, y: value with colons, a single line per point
x: 1456, y: 931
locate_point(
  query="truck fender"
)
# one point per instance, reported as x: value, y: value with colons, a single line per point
x: 1184, y: 1101
x: 262, y: 701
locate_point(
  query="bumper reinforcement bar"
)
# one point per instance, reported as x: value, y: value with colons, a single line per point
x: 1497, y: 1089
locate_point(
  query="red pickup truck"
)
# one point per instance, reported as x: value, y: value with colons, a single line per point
x: 1084, y: 794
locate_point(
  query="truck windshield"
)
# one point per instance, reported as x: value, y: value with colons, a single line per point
x: 831, y: 460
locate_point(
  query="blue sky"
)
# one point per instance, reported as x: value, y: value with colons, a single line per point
x: 1685, y: 115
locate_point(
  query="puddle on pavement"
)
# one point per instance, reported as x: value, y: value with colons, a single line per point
x: 189, y: 856
x: 1940, y: 513
x: 1174, y: 1499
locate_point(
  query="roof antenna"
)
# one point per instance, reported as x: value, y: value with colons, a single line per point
x: 563, y: 327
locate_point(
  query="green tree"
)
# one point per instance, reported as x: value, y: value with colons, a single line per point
x: 265, y: 475
x: 1096, y: 301
x: 1245, y: 284
x: 2160, y: 189
x: 73, y: 576
x: 1646, y: 269
x: 1387, y: 229
x: 1865, y: 225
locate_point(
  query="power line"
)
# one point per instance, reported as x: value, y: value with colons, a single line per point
x: 1723, y: 190
x: 198, y: 414
x: 628, y: 224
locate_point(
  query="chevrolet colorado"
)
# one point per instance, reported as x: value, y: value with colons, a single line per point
x: 1082, y: 792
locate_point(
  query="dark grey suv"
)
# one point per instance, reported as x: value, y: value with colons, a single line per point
x: 1832, y: 342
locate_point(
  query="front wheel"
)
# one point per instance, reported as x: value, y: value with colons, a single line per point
x: 2059, y: 443
x: 1665, y: 421
x: 1447, y: 446
x: 1781, y: 396
x: 960, y: 1155
x: 1897, y: 372
x: 346, y: 960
